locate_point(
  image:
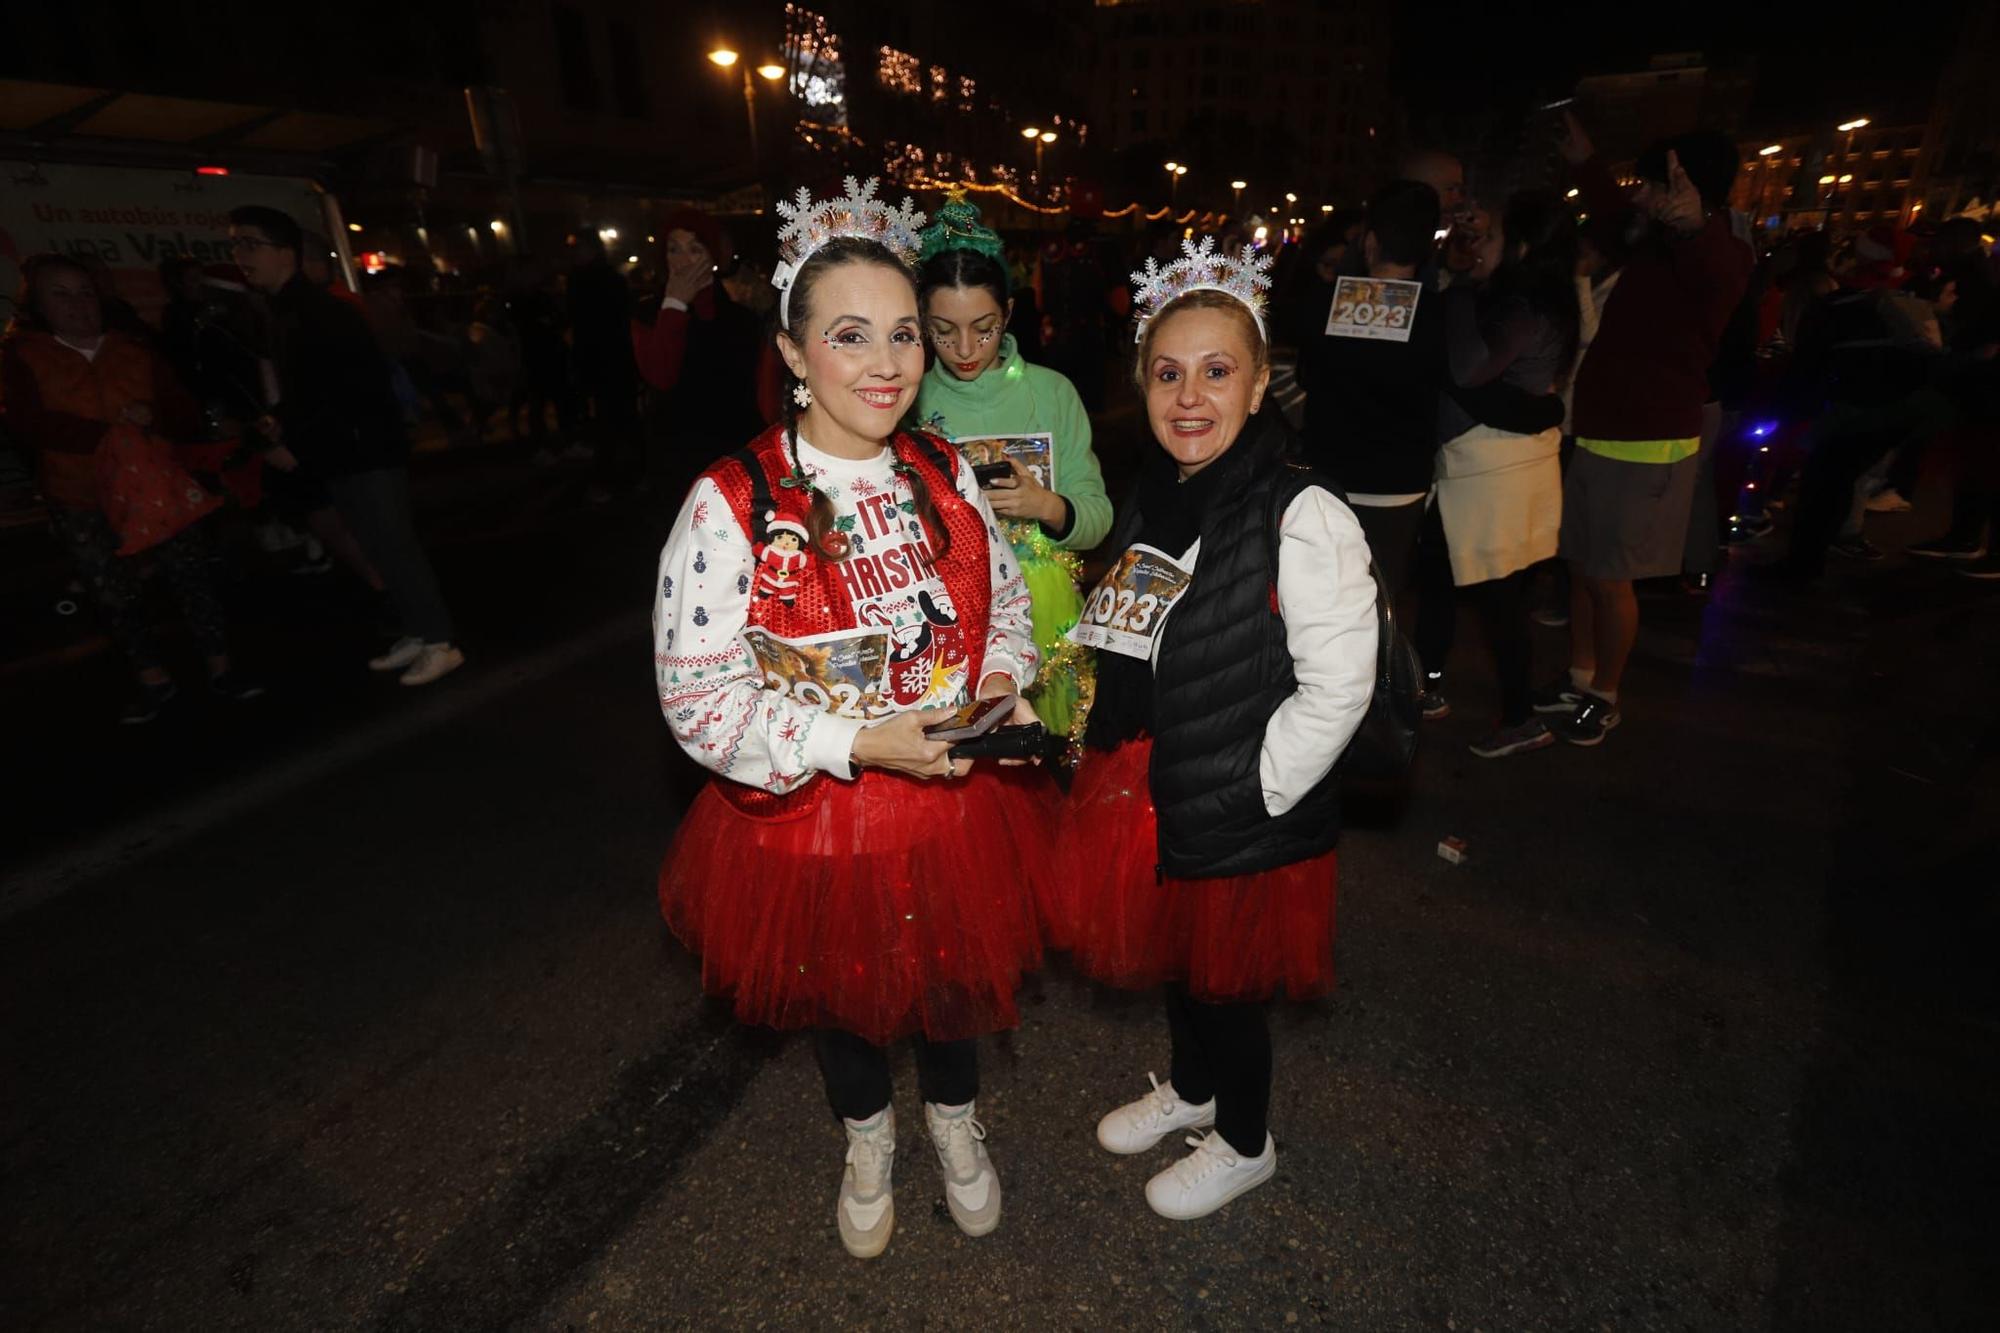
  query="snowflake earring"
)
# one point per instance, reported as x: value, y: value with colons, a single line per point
x: 802, y: 395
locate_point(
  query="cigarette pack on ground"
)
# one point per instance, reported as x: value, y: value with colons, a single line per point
x: 1452, y: 850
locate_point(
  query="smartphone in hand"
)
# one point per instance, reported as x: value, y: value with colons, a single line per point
x: 975, y: 719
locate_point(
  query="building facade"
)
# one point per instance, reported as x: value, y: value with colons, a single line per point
x: 1289, y: 96
x: 1833, y: 179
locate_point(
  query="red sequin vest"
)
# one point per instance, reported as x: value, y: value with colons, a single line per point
x: 752, y: 478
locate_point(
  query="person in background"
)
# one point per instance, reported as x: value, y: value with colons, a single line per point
x: 979, y: 384
x: 1638, y: 403
x: 1513, y: 320
x: 606, y: 377
x: 698, y: 357
x: 1970, y: 306
x: 67, y: 387
x: 337, y: 416
x: 544, y: 382
x: 1372, y: 403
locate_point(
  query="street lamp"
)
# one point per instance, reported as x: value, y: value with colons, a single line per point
x: 724, y: 58
x: 1174, y: 173
x: 1770, y: 150
x: 1291, y: 198
x: 1850, y: 126
x: 1237, y: 187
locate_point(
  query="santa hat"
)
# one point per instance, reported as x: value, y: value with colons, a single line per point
x: 776, y: 522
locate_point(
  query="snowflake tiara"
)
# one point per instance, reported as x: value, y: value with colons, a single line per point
x: 1201, y: 268
x: 809, y: 225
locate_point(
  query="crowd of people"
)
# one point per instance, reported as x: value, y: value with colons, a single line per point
x: 1490, y: 390
x: 943, y: 736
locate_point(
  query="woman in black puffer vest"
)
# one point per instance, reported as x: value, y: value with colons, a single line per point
x: 1202, y: 822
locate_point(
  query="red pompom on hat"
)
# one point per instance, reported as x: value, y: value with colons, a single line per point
x: 776, y: 521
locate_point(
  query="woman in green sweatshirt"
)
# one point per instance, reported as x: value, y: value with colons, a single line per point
x: 979, y: 388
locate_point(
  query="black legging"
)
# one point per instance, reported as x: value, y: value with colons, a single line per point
x: 1223, y: 1051
x: 857, y: 1072
x: 1503, y: 614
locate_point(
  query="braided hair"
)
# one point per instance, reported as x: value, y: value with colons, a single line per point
x: 820, y: 517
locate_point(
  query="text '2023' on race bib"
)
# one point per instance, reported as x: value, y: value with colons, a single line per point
x: 842, y: 673
x: 1130, y: 603
x: 1373, y: 308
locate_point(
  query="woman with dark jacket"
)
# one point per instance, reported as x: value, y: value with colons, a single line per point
x: 1238, y: 648
x: 699, y: 357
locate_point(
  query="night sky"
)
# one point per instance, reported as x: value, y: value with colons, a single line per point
x: 1457, y: 56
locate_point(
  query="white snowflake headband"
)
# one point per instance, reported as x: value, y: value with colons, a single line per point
x: 809, y: 226
x: 1201, y: 269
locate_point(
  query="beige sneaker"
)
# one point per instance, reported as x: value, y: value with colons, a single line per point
x: 866, y: 1209
x: 971, y: 1188
x: 401, y: 653
x: 433, y: 661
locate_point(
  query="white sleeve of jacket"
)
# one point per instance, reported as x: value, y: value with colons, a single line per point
x: 1010, y: 629
x: 711, y: 688
x: 1327, y: 598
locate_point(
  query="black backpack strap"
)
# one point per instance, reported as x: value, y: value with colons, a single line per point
x: 762, y: 502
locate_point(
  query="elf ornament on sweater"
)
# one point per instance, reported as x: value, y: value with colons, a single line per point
x: 781, y: 557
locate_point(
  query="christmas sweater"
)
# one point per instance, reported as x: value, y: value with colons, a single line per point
x: 770, y: 693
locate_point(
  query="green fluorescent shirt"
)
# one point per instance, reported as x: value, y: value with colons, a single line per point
x: 1641, y: 451
x: 1013, y: 397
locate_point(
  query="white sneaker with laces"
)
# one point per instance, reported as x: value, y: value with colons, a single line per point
x: 401, y: 653
x: 435, y: 660
x: 971, y: 1189
x: 1138, y: 1126
x: 866, y: 1208
x: 1210, y: 1176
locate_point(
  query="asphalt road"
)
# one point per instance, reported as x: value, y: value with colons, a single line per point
x: 355, y: 1011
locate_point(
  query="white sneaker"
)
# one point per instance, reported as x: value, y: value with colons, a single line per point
x: 971, y: 1189
x: 1210, y: 1176
x: 1141, y: 1125
x: 436, y: 659
x: 866, y: 1209
x: 401, y: 653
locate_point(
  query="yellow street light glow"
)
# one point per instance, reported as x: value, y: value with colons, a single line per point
x: 1845, y: 179
x: 1849, y: 126
x: 1826, y: 180
x: 1239, y: 185
x: 1326, y: 208
x: 497, y: 225
x: 771, y: 71
x: 1770, y: 149
x: 1032, y: 132
x: 354, y: 226
x: 1180, y: 171
x: 1573, y: 193
x: 1173, y: 166
x: 1048, y: 136
x: 723, y: 56
x: 1291, y: 198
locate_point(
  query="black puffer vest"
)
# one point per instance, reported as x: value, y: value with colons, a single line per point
x: 1223, y: 668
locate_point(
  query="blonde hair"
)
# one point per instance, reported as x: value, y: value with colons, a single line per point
x: 1202, y: 298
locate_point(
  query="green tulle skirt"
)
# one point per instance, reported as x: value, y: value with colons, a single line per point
x: 1061, y: 694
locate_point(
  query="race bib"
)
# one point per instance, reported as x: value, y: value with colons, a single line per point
x: 1036, y: 453
x: 1373, y: 308
x: 844, y: 674
x: 1128, y: 606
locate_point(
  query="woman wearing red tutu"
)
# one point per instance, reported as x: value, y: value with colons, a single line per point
x: 1237, y: 641
x: 843, y: 872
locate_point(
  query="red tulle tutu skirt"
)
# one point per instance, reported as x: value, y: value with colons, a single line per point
x: 1244, y: 937
x: 893, y: 906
